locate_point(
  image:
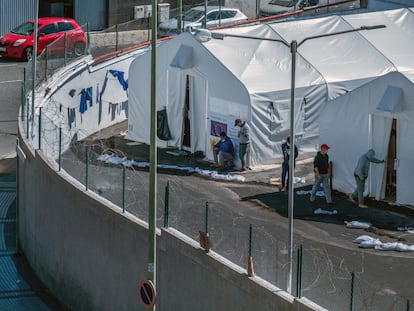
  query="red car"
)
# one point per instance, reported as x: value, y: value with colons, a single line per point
x: 19, y: 42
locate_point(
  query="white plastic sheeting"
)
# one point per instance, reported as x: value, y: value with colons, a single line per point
x: 251, y: 79
x: 352, y: 123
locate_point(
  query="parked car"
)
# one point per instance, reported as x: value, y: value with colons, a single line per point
x: 18, y: 43
x: 194, y: 18
x: 311, y: 7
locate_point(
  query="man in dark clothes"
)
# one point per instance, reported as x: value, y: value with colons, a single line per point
x: 285, y: 163
x: 321, y: 169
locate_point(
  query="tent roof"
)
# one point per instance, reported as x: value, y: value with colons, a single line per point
x: 335, y: 60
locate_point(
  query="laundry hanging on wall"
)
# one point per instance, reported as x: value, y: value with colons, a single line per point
x: 116, y: 109
x: 71, y: 116
x: 163, y: 130
x: 120, y: 76
x: 86, y: 96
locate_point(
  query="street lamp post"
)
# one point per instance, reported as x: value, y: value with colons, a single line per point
x: 152, y: 204
x: 293, y: 46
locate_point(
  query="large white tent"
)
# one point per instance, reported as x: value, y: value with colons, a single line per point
x: 251, y: 79
x: 375, y: 115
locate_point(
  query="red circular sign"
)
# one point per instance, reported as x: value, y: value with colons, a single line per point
x: 147, y: 294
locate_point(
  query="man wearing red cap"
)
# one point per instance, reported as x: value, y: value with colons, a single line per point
x: 320, y: 167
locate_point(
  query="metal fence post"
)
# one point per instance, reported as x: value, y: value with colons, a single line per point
x: 205, y: 241
x: 149, y: 28
x: 166, y: 205
x: 351, y: 306
x: 88, y: 38
x: 116, y: 37
x: 65, y: 46
x: 46, y: 56
x: 250, y: 239
x: 60, y: 148
x: 206, y: 218
x: 299, y: 273
x: 250, y: 268
x: 27, y: 117
x: 87, y: 167
x: 123, y: 188
x: 40, y: 128
x: 23, y: 96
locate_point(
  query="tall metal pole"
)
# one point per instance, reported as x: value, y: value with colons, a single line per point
x: 293, y: 50
x: 152, y: 213
x: 34, y: 60
x: 180, y: 16
x: 205, y: 14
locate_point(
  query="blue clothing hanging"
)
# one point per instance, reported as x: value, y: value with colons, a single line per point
x: 89, y: 96
x: 83, y: 106
x: 120, y: 75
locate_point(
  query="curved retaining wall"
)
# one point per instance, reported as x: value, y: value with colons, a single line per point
x: 92, y: 256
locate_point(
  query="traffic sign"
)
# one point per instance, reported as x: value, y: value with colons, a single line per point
x: 147, y: 294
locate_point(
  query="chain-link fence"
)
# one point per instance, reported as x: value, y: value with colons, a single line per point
x: 320, y: 276
x: 103, y: 168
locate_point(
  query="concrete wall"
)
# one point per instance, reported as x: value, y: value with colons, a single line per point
x: 105, y: 39
x: 92, y: 257
x: 90, y: 254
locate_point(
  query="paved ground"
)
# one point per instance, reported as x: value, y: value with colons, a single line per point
x: 383, y: 278
x: 381, y: 215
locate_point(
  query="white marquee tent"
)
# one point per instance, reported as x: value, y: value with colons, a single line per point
x: 237, y: 77
x: 375, y: 115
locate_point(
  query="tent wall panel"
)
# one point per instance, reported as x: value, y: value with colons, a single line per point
x: 405, y: 167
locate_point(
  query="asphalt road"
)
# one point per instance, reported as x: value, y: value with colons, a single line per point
x: 11, y: 74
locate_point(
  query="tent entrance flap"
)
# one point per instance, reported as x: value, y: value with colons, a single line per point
x: 379, y: 132
x: 403, y: 164
x: 391, y: 180
x: 186, y: 135
x: 194, y: 113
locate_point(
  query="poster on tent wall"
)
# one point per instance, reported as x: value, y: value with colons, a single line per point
x: 222, y: 114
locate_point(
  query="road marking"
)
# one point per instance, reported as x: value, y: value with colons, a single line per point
x: 10, y: 81
x: 8, y: 65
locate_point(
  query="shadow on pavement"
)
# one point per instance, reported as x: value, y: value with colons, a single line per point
x: 379, y: 214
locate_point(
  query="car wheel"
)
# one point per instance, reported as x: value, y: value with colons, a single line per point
x: 79, y: 49
x: 28, y: 54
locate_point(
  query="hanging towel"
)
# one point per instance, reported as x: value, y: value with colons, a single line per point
x: 125, y: 107
x: 83, y: 106
x: 112, y: 110
x: 97, y: 93
x: 163, y: 130
x: 89, y: 96
x: 71, y: 116
x: 120, y: 75
x: 100, y: 98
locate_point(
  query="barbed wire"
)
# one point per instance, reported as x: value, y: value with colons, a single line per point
x: 326, y: 278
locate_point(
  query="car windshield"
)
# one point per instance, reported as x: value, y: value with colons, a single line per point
x: 193, y: 15
x: 24, y: 29
x: 285, y: 3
